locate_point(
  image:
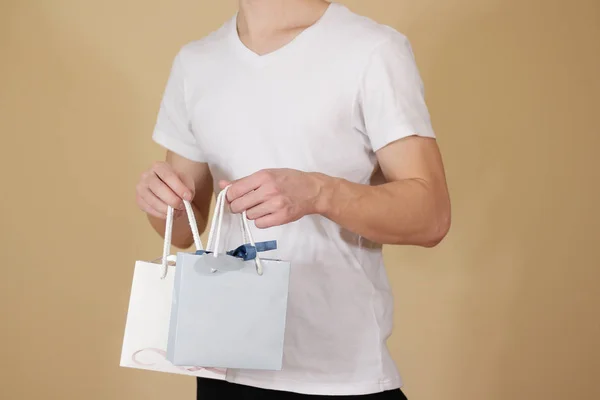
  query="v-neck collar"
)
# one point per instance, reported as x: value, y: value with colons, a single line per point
x: 258, y: 59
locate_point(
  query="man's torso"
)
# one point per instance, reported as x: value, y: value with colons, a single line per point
x: 296, y: 108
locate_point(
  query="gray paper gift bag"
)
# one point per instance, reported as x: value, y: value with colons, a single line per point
x: 229, y: 308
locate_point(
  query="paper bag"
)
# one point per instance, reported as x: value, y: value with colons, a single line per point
x: 229, y: 308
x: 149, y: 312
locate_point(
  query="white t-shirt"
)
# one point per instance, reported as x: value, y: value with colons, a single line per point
x: 344, y: 88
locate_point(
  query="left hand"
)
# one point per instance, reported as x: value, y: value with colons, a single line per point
x: 273, y: 197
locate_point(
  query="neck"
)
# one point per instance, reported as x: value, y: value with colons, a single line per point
x: 264, y: 17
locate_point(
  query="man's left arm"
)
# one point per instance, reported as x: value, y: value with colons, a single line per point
x: 411, y: 208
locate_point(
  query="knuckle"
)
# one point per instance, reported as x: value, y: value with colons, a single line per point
x: 161, y: 168
x: 279, y: 202
x: 158, y: 164
x: 266, y: 175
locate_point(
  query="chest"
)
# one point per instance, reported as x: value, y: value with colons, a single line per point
x: 295, y: 116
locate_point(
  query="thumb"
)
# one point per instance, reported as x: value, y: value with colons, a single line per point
x: 223, y: 184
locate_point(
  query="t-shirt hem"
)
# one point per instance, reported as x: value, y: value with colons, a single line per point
x: 320, y: 389
x: 177, y: 147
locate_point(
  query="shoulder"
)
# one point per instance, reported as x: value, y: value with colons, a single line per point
x: 210, y: 47
x: 362, y: 33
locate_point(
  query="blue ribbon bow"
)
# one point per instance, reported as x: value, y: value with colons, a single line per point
x: 247, y: 251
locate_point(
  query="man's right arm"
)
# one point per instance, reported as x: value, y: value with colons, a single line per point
x: 168, y: 183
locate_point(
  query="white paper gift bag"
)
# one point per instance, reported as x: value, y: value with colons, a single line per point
x: 149, y: 312
x: 229, y: 308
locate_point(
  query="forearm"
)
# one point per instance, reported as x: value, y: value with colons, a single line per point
x: 409, y: 211
x: 182, y: 234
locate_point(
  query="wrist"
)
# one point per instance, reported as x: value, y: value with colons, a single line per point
x: 325, y: 188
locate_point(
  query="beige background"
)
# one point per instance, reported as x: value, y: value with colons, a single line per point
x: 506, y: 308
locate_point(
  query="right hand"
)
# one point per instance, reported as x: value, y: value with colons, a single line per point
x: 160, y: 187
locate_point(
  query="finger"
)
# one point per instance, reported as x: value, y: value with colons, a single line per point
x: 270, y: 206
x: 249, y: 200
x: 147, y: 208
x: 245, y: 185
x: 223, y: 184
x: 155, y: 202
x: 166, y: 174
x: 164, y: 193
x: 270, y: 220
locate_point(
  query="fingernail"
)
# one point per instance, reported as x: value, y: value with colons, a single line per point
x: 187, y: 196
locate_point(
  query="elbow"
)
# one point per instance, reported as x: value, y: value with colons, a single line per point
x: 438, y: 230
x: 428, y: 237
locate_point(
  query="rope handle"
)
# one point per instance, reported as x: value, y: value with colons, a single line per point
x: 169, y: 232
x: 214, y: 236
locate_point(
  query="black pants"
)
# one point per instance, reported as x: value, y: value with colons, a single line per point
x: 214, y: 389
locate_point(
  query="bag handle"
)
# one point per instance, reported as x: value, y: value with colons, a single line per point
x: 169, y: 232
x: 215, y: 229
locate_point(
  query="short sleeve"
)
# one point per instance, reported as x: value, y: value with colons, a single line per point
x: 173, y: 128
x: 390, y: 103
